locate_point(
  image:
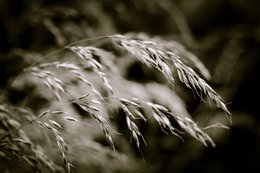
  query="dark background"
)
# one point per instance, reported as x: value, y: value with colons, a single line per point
x: 224, y: 34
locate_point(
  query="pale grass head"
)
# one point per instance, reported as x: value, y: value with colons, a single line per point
x: 152, y: 54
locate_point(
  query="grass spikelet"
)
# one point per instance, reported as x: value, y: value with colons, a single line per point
x: 134, y: 131
x: 216, y: 125
x: 55, y: 124
x: 192, y: 128
x: 88, y: 54
x: 139, y: 115
x: 128, y: 102
x: 57, y: 112
x: 50, y: 80
x: 70, y: 119
x: 129, y: 106
x: 63, y: 147
x: 160, y: 115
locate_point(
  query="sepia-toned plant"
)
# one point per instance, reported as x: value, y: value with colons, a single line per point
x: 93, y: 67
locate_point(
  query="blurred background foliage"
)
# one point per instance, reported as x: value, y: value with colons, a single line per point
x: 224, y: 34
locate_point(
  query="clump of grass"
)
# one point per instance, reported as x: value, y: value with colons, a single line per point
x: 15, y: 141
x: 166, y: 61
x: 62, y: 145
x: 152, y: 54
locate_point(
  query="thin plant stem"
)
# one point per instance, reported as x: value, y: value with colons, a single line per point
x: 46, y: 56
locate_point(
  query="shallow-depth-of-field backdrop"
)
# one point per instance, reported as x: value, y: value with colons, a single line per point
x: 129, y: 86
